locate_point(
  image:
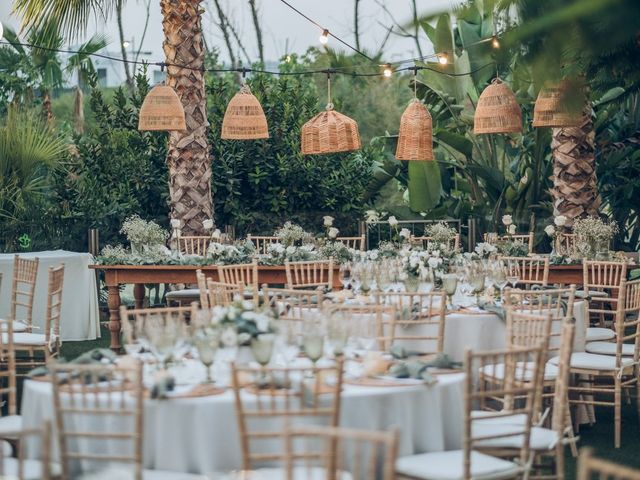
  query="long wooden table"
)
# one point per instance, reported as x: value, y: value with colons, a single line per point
x: 139, y: 275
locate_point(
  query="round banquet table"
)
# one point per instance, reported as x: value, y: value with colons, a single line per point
x: 200, y: 435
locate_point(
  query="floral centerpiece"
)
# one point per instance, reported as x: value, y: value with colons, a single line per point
x: 508, y: 245
x: 143, y: 234
x: 293, y: 234
x: 442, y: 235
x: 484, y: 250
x: 593, y: 236
x: 223, y: 254
x: 241, y: 321
x: 554, y: 231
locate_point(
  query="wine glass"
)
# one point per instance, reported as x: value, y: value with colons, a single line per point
x: 286, y: 340
x: 345, y: 275
x: 477, y: 284
x: 337, y: 333
x: 450, y: 285
x: 163, y: 336
x: 206, y: 341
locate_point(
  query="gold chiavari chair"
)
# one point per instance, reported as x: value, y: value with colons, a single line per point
x: 262, y: 242
x: 590, y: 467
x: 529, y: 270
x: 137, y: 323
x: 11, y: 422
x: 608, y: 375
x: 110, y: 399
x: 339, y: 453
x: 525, y: 238
x: 311, y: 274
x: 420, y: 319
x: 293, y: 307
x: 601, y: 282
x: 566, y: 243
x: 469, y: 462
x: 376, y: 322
x: 194, y: 245
x: 37, y: 348
x: 223, y: 294
x: 25, y: 274
x: 245, y: 274
x: 423, y: 241
x: 19, y: 467
x: 203, y: 289
x: 276, y: 398
x: 356, y: 243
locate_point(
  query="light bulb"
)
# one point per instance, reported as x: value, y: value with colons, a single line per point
x: 324, y: 38
x: 387, y: 70
x: 494, y: 42
x: 443, y: 59
x: 125, y: 44
x: 288, y: 58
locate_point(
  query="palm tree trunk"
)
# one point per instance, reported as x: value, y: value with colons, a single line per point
x: 47, y: 109
x: 575, y: 185
x: 188, y: 153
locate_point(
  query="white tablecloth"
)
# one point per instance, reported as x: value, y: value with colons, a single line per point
x: 79, y: 319
x: 200, y: 435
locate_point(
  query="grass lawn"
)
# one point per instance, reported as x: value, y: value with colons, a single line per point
x: 599, y: 436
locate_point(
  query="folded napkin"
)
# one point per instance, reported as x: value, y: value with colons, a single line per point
x: 419, y: 369
x: 97, y: 356
x: 495, y: 309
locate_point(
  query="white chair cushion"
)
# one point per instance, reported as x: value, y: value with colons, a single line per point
x: 32, y: 339
x: 9, y: 425
x: 32, y: 469
x: 7, y: 449
x: 541, y: 438
x: 596, y: 334
x: 497, y: 371
x: 608, y: 348
x: 591, y: 293
x: 127, y: 474
x: 449, y: 466
x: 490, y: 417
x: 186, y: 293
x: 593, y: 361
x: 18, y: 326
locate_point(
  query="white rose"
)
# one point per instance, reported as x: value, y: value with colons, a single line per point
x: 175, y: 223
x: 560, y: 221
x: 262, y: 322
x: 373, y: 255
x: 333, y: 232
x: 327, y: 220
x: 371, y: 216
x: 243, y: 338
x: 405, y: 233
x: 207, y: 224
x: 434, y: 262
x: 393, y: 221
x: 512, y: 229
x: 507, y: 220
x: 229, y: 338
x: 216, y: 234
x: 550, y: 230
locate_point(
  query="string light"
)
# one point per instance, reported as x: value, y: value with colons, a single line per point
x: 1, y: 30
x: 494, y: 42
x: 387, y: 72
x: 443, y: 58
x: 324, y: 38
x: 125, y: 44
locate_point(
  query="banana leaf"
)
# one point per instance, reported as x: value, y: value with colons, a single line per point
x: 424, y: 185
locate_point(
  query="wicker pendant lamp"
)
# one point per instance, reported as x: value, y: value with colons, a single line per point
x: 550, y: 109
x: 329, y: 131
x: 497, y: 110
x: 244, y: 118
x: 162, y: 110
x: 415, y: 138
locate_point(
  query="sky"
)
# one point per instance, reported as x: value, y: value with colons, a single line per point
x: 284, y: 30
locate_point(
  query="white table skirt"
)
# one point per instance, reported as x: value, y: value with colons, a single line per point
x: 79, y: 319
x: 200, y: 435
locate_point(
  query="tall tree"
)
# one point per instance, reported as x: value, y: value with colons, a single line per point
x: 188, y: 153
x: 123, y: 43
x: 256, y: 25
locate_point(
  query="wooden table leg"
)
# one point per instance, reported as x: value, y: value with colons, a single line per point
x: 113, y: 301
x: 138, y: 294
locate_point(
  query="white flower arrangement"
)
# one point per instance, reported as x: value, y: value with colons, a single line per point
x: 593, y: 235
x: 511, y: 229
x: 327, y: 221
x: 333, y: 232
x: 393, y: 221
x: 405, y: 233
x: 485, y: 250
x: 371, y: 216
x: 550, y: 230
x: 216, y: 234
x: 142, y: 232
x: 507, y: 220
x: 241, y: 321
x: 560, y: 221
x: 207, y: 224
x: 291, y: 233
x: 442, y: 235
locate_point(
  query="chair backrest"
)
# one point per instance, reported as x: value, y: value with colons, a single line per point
x: 203, y: 289
x: 356, y: 243
x: 628, y: 321
x: 293, y: 307
x: 105, y: 395
x: 566, y: 243
x: 273, y: 399
x: 516, y: 390
x: 54, y: 304
x: 561, y: 416
x: 223, y: 294
x: 313, y: 274
x: 364, y: 321
x: 25, y: 273
x: 8, y: 387
x: 526, y: 238
x: 529, y: 270
x: 424, y: 241
x: 138, y: 322
x: 262, y: 242
x: 590, y: 467
x: 330, y: 452
x: 194, y: 245
x: 420, y: 319
x: 557, y: 302
x: 21, y: 466
x: 604, y: 278
x: 240, y: 274
x: 528, y: 329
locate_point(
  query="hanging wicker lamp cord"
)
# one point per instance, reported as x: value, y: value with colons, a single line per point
x: 329, y: 103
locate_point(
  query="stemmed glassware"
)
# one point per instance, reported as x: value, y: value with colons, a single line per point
x: 164, y: 336
x: 450, y: 285
x: 345, y: 275
x: 337, y: 333
x: 313, y: 339
x: 512, y: 275
x: 207, y: 341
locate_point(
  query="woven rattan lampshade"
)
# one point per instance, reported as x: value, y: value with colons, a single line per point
x: 550, y: 109
x: 497, y: 110
x: 161, y: 110
x: 330, y: 132
x: 415, y: 139
x: 244, y: 118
